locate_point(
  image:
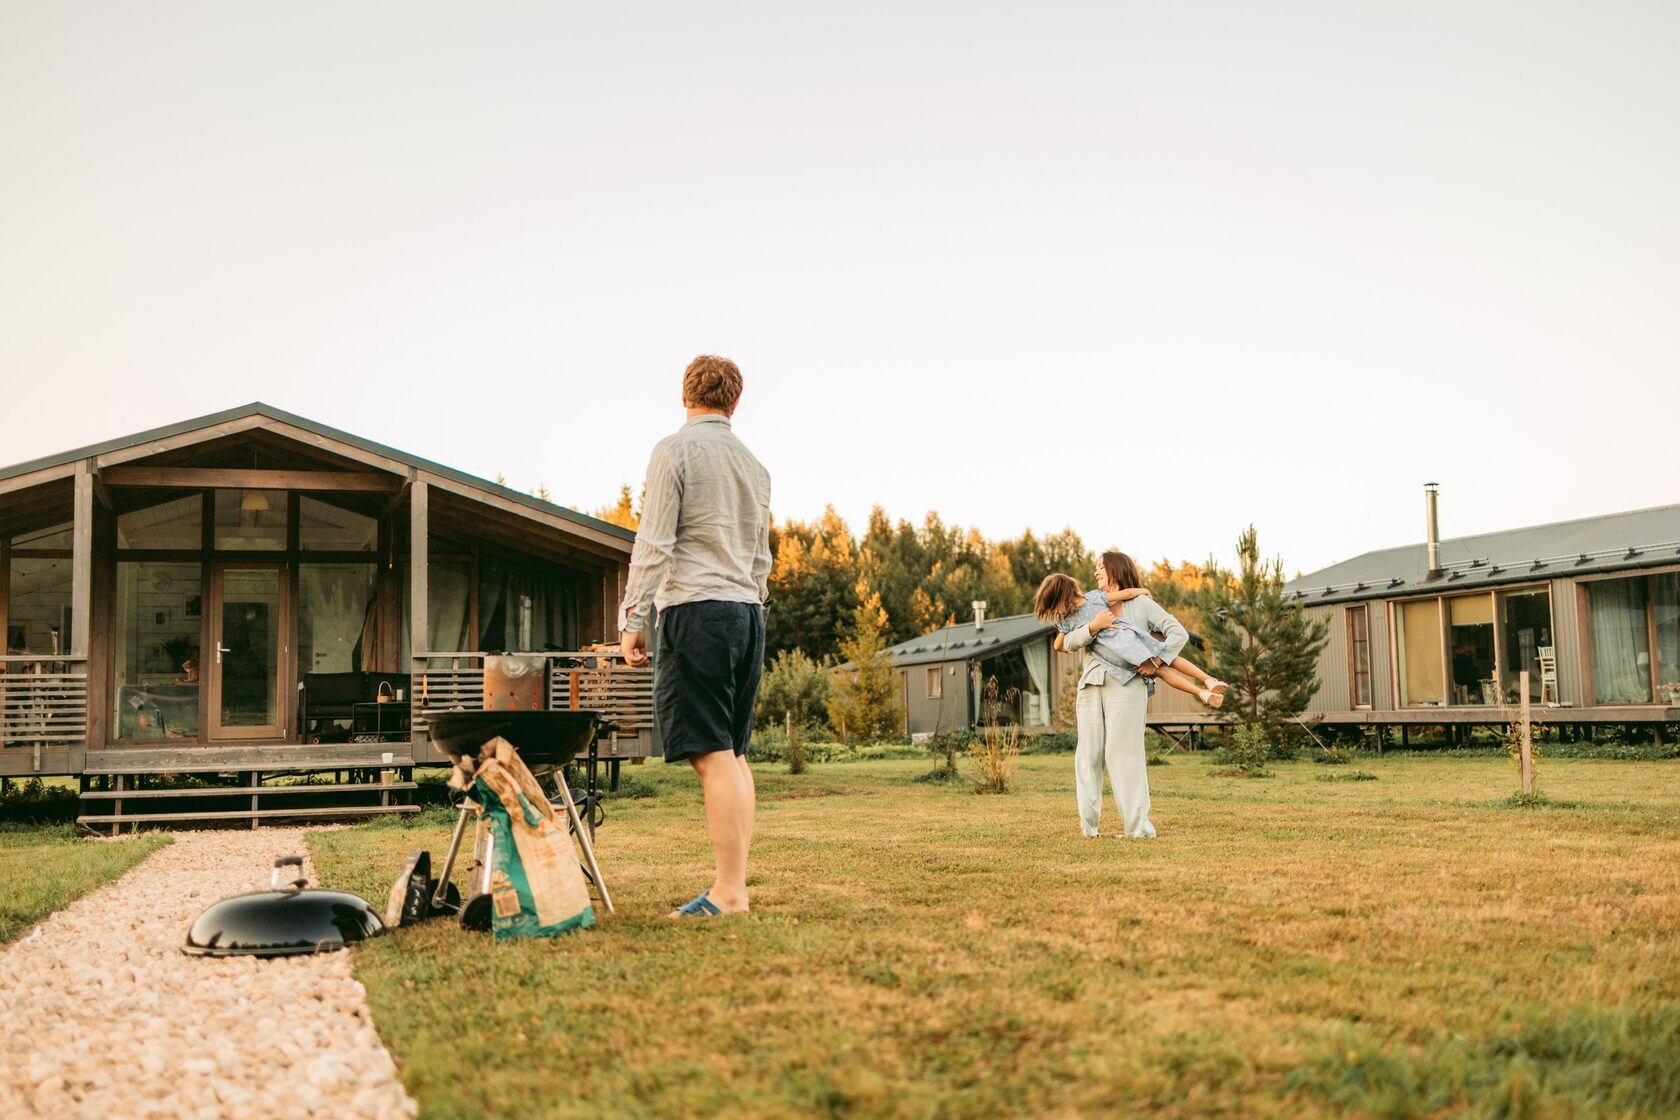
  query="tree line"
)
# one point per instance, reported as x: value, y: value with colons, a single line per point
x: 840, y: 597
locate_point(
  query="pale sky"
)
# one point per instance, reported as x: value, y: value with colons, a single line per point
x: 1153, y: 271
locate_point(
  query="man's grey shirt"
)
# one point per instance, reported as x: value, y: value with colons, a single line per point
x: 705, y: 530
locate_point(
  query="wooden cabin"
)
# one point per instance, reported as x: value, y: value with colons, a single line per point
x: 254, y: 594
x: 942, y: 676
x: 1438, y: 633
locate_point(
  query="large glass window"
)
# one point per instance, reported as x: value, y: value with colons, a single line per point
x: 1474, y: 671
x: 1621, y: 641
x: 449, y: 606
x: 1418, y: 636
x: 1665, y: 615
x: 155, y: 653
x: 523, y: 609
x: 177, y: 524
x: 1359, y: 656
x: 327, y: 528
x: 38, y: 618
x: 334, y: 601
x: 1525, y: 634
x: 251, y: 520
x: 1635, y: 629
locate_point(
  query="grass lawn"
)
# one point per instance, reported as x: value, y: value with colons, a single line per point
x: 44, y: 867
x: 1289, y: 947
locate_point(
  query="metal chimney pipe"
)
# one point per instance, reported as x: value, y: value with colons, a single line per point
x: 1432, y: 513
x: 979, y: 606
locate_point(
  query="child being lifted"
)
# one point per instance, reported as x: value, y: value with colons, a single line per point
x: 1124, y: 647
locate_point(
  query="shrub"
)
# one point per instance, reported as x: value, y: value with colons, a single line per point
x: 793, y: 685
x: 995, y: 748
x: 35, y: 802
x: 1250, y: 749
x: 1051, y: 742
x: 946, y: 746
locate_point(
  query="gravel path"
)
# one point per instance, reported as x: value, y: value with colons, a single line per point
x: 102, y: 1015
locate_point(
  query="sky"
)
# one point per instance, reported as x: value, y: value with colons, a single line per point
x: 1150, y: 271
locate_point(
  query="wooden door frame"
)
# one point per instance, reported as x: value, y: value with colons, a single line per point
x: 213, y: 730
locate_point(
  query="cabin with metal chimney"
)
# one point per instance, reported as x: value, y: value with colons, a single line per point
x: 1441, y: 632
x: 251, y: 594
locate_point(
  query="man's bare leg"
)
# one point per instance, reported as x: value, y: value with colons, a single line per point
x: 727, y: 784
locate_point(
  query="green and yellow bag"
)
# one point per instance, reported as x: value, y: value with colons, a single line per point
x: 536, y: 884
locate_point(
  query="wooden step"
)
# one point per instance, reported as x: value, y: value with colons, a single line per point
x: 245, y: 791
x: 247, y: 814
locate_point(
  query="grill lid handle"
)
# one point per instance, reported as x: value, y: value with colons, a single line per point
x: 277, y: 880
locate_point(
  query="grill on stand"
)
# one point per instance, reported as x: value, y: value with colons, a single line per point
x: 546, y: 741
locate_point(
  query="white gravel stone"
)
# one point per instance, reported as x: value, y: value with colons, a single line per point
x: 102, y: 1015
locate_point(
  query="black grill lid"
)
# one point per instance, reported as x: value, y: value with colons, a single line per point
x: 283, y: 921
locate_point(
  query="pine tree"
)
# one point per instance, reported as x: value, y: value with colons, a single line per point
x: 864, y: 703
x: 1259, y: 640
x: 626, y: 514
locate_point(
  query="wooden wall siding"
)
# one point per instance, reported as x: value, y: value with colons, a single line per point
x: 942, y: 713
x: 1335, y: 692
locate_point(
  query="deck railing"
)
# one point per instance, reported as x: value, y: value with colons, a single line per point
x: 43, y: 702
x: 599, y: 681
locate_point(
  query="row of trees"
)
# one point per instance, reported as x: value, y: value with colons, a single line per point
x: 843, y: 598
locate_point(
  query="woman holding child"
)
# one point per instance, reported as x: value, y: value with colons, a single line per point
x: 1116, y: 626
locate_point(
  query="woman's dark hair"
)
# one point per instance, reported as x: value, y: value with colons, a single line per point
x: 1122, y: 571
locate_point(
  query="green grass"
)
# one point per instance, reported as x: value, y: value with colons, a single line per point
x: 43, y: 868
x: 1414, y: 945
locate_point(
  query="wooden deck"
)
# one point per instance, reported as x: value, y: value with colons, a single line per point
x: 268, y: 758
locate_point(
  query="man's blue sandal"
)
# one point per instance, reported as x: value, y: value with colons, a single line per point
x: 699, y: 907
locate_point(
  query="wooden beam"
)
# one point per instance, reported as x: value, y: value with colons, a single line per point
x: 81, y: 565
x: 101, y: 493
x: 396, y: 500
x: 5, y: 594
x: 37, y: 478
x: 230, y: 478
x: 418, y: 592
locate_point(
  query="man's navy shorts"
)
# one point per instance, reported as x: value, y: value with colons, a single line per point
x: 711, y: 655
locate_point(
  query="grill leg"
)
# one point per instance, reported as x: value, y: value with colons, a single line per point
x: 582, y: 832
x: 449, y: 860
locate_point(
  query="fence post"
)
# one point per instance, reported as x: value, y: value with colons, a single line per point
x: 1527, y: 737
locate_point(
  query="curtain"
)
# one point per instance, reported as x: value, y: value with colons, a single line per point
x: 1037, y: 655
x: 1620, y: 642
x: 448, y: 606
x: 525, y: 610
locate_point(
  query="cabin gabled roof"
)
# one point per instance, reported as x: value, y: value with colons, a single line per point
x: 259, y: 412
x: 1612, y: 542
x: 962, y: 642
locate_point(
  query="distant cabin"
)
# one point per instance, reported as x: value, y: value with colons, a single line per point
x: 1440, y: 632
x: 943, y: 675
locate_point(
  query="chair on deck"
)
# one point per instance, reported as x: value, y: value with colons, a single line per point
x: 1546, y: 655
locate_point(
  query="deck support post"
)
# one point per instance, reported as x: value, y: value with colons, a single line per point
x: 81, y: 565
x: 419, y: 517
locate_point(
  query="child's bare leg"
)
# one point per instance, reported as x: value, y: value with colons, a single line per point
x: 1209, y: 681
x: 1178, y: 680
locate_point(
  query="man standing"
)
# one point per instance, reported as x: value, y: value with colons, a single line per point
x: 702, y: 557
